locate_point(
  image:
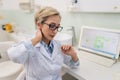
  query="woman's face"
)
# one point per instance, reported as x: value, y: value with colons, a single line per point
x: 49, y: 34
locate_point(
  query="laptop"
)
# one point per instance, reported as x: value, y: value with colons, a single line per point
x: 100, y: 45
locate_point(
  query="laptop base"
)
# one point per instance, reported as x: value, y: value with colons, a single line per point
x: 107, y: 62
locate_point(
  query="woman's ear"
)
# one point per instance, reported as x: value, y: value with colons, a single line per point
x: 39, y: 26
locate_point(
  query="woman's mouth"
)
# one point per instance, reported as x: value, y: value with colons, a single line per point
x: 52, y: 36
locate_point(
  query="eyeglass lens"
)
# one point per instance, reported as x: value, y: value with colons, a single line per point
x: 53, y: 26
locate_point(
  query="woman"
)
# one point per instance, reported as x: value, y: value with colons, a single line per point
x: 42, y: 56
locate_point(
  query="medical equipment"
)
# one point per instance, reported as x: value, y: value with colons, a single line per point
x: 100, y: 45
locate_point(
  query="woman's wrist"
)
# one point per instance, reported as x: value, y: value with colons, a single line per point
x: 74, y: 57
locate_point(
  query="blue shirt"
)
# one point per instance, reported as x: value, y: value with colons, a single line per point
x: 38, y: 64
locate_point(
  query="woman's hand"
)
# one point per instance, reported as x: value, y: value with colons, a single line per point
x: 68, y: 50
x: 37, y: 38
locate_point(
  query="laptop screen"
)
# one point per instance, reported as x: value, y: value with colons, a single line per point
x: 101, y: 41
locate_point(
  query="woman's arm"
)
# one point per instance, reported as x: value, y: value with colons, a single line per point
x: 70, y: 57
x: 19, y: 53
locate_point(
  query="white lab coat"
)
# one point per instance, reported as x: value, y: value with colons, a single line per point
x: 38, y: 63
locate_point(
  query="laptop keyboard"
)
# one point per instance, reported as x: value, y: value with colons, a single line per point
x: 96, y: 58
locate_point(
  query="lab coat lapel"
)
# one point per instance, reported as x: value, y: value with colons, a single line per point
x: 56, y: 51
x: 43, y: 51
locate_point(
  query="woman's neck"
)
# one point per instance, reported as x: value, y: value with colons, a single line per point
x: 46, y: 41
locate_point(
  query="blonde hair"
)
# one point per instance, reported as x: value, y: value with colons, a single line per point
x: 45, y: 12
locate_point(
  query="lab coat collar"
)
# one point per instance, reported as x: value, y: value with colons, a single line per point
x: 41, y: 47
x: 56, y: 50
x: 42, y: 50
x: 38, y: 45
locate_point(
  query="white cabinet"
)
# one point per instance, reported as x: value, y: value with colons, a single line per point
x: 60, y: 5
x: 98, y: 6
x: 9, y: 5
x: 63, y: 5
x: 24, y: 5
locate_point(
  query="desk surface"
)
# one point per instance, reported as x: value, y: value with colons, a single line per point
x: 92, y: 71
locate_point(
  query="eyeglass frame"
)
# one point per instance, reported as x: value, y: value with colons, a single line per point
x: 59, y: 29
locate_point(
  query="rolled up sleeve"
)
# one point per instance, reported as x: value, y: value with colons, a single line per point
x: 68, y: 61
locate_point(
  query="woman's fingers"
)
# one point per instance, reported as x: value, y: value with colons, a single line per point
x: 65, y: 47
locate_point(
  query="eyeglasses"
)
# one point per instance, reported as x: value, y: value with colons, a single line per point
x: 53, y: 27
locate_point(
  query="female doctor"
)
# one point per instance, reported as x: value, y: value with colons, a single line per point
x: 42, y: 56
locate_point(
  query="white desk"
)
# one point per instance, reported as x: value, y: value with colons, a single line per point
x: 91, y: 71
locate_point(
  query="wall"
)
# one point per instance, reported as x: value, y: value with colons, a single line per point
x: 105, y: 20
x: 77, y: 19
x: 23, y: 21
